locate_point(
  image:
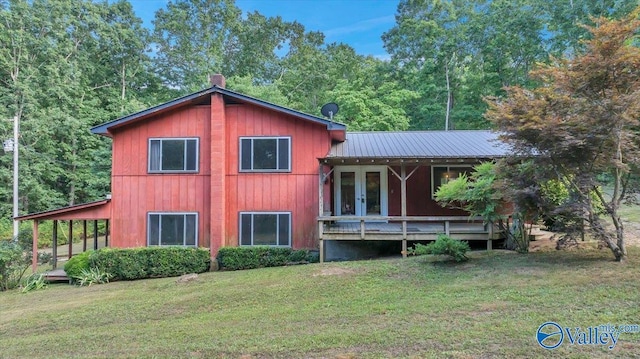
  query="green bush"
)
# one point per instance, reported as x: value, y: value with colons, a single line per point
x: 235, y: 258
x: 444, y: 245
x: 35, y: 281
x: 77, y: 264
x: 88, y: 277
x: 150, y: 262
x: 14, y: 261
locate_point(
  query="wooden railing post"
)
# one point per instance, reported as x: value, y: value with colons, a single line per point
x: 84, y: 235
x: 70, y: 239
x: 54, y: 248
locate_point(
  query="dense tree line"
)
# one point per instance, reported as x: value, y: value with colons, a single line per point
x: 67, y: 65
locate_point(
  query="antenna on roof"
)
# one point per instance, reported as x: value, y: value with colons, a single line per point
x: 329, y: 110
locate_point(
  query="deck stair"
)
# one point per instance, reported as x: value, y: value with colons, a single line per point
x: 56, y: 275
x: 537, y: 233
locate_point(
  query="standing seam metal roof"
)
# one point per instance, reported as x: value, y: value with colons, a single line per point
x: 420, y: 144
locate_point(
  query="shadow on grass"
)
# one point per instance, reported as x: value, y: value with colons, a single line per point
x: 505, y: 260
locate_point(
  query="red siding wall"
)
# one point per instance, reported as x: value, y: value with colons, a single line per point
x: 295, y: 192
x: 135, y: 192
x: 419, y: 202
x: 218, y: 192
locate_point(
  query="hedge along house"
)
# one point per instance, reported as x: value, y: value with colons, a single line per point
x: 217, y: 168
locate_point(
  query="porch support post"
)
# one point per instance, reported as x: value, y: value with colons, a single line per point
x: 106, y: 233
x: 403, y: 195
x: 34, y: 258
x: 70, y: 239
x: 95, y: 234
x: 490, y: 240
x: 84, y: 235
x: 320, y: 190
x: 54, y: 243
x: 321, y: 210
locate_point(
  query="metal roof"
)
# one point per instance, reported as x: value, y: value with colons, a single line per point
x: 103, y: 129
x: 420, y: 144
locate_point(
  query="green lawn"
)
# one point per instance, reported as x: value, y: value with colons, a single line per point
x: 489, y: 307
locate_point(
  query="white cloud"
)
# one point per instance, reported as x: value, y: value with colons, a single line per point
x: 360, y: 26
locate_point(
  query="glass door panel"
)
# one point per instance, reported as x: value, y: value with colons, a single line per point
x: 348, y: 193
x: 373, y: 203
x: 360, y: 191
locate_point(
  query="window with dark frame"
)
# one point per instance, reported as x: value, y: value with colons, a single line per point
x: 172, y: 229
x: 173, y: 155
x: 265, y: 154
x: 265, y: 229
x: 444, y: 174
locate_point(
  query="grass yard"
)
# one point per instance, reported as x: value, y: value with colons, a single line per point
x: 489, y: 307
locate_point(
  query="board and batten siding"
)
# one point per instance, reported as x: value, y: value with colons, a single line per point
x: 295, y: 191
x: 135, y: 192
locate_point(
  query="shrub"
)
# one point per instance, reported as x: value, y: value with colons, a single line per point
x: 444, y: 245
x: 150, y: 262
x: 77, y: 264
x: 235, y: 258
x: 34, y: 282
x: 13, y: 263
x: 90, y: 276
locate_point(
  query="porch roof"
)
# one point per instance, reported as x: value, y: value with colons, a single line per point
x: 92, y: 210
x: 463, y: 144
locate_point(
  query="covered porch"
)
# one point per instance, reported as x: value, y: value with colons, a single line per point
x: 86, y: 213
x: 381, y: 186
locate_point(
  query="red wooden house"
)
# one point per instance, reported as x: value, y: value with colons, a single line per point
x: 217, y: 168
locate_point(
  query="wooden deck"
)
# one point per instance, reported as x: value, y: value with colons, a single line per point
x: 395, y: 228
x: 390, y: 230
x: 403, y: 228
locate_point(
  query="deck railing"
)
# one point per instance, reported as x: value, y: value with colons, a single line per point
x: 374, y: 228
x: 446, y: 221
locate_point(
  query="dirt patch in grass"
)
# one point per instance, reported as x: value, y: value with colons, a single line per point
x: 333, y: 271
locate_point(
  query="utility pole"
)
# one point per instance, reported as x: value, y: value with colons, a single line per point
x: 11, y: 145
x: 15, y: 178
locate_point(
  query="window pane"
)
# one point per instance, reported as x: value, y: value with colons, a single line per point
x: 192, y: 155
x: 440, y: 176
x: 373, y: 193
x: 154, y: 229
x: 347, y: 193
x: 173, y: 155
x: 172, y: 230
x: 283, y: 236
x: 191, y: 229
x: 264, y: 154
x: 245, y: 163
x: 245, y: 229
x: 283, y: 154
x: 154, y: 155
x: 264, y: 229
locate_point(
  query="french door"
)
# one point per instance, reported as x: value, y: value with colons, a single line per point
x: 360, y: 191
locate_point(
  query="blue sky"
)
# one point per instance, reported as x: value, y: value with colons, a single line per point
x: 359, y: 23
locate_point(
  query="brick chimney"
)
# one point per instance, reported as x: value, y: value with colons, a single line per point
x: 217, y: 80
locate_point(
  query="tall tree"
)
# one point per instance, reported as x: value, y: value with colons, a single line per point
x: 583, y: 121
x: 193, y: 38
x: 66, y: 66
